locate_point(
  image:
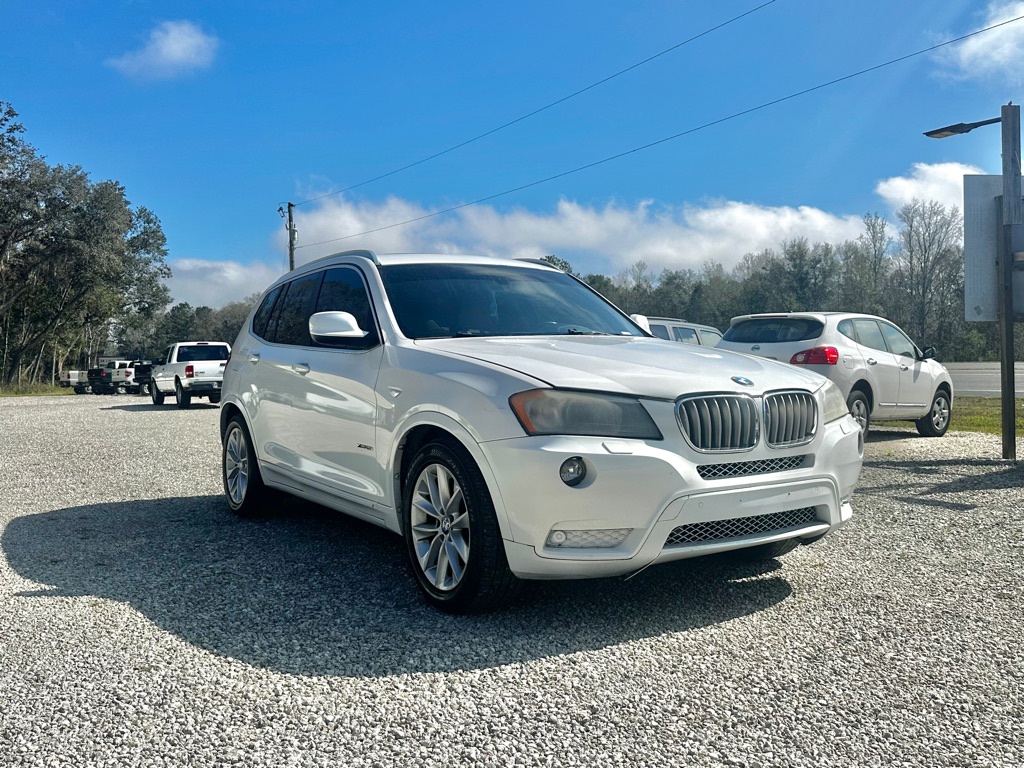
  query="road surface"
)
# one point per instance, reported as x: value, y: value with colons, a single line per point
x: 982, y: 379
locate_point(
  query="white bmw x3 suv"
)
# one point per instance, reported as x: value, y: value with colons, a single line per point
x: 510, y: 423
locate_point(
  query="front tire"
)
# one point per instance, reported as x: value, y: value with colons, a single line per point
x: 243, y: 483
x: 936, y: 421
x: 156, y: 395
x: 860, y: 409
x: 451, y: 532
x: 181, y: 397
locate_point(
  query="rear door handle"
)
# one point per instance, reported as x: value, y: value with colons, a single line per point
x: 872, y: 361
x: 254, y: 357
x: 301, y: 368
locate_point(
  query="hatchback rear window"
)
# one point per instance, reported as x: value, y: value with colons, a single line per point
x: 770, y: 330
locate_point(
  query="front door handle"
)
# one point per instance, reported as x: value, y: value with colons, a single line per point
x: 254, y: 357
x: 904, y: 367
x: 301, y: 368
x: 872, y: 361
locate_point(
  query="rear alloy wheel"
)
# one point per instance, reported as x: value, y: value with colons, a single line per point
x: 243, y: 483
x: 860, y: 409
x: 452, y: 538
x: 156, y: 394
x: 181, y: 397
x: 936, y: 421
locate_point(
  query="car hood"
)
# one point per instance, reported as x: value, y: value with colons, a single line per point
x: 637, y: 366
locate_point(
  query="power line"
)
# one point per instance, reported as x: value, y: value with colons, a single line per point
x: 541, y: 109
x: 687, y: 132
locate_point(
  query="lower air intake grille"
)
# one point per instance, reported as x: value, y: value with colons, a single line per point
x: 719, y: 530
x: 740, y: 468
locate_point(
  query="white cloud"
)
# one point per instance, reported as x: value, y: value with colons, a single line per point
x: 607, y: 239
x: 204, y: 283
x: 942, y: 182
x: 174, y: 48
x: 995, y: 54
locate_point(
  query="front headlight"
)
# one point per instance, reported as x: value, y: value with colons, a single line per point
x: 563, y: 412
x: 835, y: 406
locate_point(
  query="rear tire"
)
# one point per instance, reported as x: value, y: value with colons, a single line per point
x: 451, y: 532
x: 243, y: 483
x: 156, y: 395
x: 936, y: 421
x: 214, y: 399
x: 860, y: 409
x: 181, y: 397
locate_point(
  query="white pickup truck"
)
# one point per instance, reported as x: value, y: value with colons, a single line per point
x: 189, y: 369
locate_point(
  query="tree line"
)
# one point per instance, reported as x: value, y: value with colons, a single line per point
x: 82, y: 272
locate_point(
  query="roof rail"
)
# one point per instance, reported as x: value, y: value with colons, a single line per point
x: 538, y: 261
x: 358, y: 252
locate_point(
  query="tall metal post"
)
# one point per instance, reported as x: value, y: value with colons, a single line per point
x: 291, y: 237
x: 1012, y: 241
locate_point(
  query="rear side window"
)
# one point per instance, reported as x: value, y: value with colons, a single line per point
x: 660, y: 331
x: 262, y: 316
x: 289, y: 322
x: 709, y: 338
x: 768, y: 330
x: 685, y: 335
x: 869, y: 335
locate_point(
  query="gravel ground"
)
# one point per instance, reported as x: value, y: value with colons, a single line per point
x: 141, y: 624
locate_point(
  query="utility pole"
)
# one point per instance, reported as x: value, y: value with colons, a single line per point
x: 1012, y: 244
x: 292, y: 235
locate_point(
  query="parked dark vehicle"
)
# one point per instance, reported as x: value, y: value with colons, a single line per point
x: 143, y: 375
x: 106, y: 381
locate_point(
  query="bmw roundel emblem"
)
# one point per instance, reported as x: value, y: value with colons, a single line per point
x: 743, y: 381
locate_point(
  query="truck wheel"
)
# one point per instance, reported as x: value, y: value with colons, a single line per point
x: 243, y: 484
x: 156, y: 394
x: 181, y: 397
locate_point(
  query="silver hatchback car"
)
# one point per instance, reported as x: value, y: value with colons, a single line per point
x: 883, y: 375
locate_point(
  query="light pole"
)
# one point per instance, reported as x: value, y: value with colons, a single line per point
x: 1011, y: 243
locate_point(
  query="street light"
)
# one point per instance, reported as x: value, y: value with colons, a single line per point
x: 1011, y: 243
x: 956, y: 130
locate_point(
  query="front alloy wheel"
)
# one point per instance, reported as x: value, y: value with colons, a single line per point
x: 936, y: 421
x: 440, y: 527
x: 451, y: 532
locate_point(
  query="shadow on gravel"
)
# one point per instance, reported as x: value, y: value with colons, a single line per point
x: 916, y: 481
x: 313, y: 592
x: 171, y: 406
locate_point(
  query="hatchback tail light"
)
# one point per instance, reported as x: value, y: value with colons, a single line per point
x: 816, y: 356
x: 190, y: 371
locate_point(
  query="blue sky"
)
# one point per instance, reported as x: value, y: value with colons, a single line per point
x: 213, y: 114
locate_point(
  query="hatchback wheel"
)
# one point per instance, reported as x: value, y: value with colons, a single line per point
x: 860, y: 409
x: 452, y: 538
x: 243, y: 483
x: 936, y: 421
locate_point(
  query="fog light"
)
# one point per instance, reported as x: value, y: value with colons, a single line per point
x: 572, y: 471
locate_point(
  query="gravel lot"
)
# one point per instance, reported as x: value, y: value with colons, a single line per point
x: 141, y: 624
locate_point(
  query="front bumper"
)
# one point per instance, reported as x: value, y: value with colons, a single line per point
x: 653, y: 496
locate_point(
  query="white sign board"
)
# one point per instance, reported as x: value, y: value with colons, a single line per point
x: 981, y: 250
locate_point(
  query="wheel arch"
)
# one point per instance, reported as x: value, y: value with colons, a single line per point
x: 420, y: 432
x: 864, y: 387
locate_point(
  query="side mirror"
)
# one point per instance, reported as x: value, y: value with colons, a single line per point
x: 642, y: 321
x: 928, y: 354
x: 333, y: 329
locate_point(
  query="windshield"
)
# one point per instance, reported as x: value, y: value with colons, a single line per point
x: 452, y: 300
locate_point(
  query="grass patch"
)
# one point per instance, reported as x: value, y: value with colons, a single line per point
x: 975, y: 414
x: 34, y: 390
